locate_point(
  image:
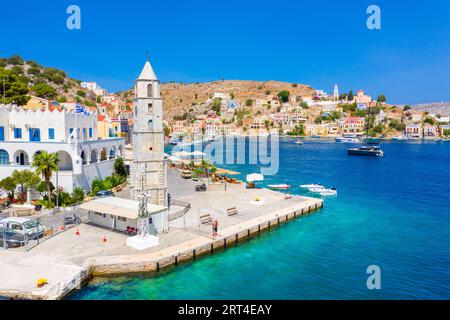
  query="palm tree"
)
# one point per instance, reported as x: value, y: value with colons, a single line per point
x: 45, y: 164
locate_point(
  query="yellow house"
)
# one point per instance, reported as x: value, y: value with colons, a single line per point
x: 36, y: 103
x: 103, y: 126
x: 316, y: 130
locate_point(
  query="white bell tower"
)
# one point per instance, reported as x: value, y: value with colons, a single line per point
x: 149, y: 169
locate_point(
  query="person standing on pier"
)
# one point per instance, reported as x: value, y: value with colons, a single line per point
x: 215, y: 225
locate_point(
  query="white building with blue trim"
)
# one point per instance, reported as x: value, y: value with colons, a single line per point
x: 83, y: 156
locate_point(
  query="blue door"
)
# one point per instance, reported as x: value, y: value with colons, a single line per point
x: 35, y: 134
x: 2, y: 134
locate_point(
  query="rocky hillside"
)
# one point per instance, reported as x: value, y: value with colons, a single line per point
x: 442, y: 108
x: 24, y: 78
x: 180, y: 97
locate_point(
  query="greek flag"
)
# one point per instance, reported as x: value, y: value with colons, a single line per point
x: 80, y: 109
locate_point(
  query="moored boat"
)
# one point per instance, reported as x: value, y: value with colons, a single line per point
x: 347, y: 140
x: 311, y: 186
x: 279, y: 186
x: 366, y: 150
x: 328, y: 192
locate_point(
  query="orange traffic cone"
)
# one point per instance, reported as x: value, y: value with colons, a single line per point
x: 77, y: 233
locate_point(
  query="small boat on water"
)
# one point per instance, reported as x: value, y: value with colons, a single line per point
x: 315, y: 136
x: 347, y: 140
x: 366, y: 150
x: 328, y: 192
x: 311, y: 186
x: 324, y: 191
x: 298, y: 141
x: 279, y: 186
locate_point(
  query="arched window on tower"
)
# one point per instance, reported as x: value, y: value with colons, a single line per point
x: 150, y: 91
x: 150, y: 124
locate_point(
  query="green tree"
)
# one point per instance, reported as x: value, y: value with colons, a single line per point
x: 42, y: 188
x: 15, y: 60
x: 342, y: 96
x: 299, y: 130
x: 446, y: 132
x: 9, y: 185
x: 283, y: 96
x: 81, y: 93
x: 381, y: 98
x: 397, y: 125
x: 25, y: 179
x: 34, y: 71
x: 119, y: 167
x: 54, y: 75
x: 166, y: 130
x: 216, y: 105
x: 429, y: 121
x: 78, y: 195
x: 45, y: 164
x: 16, y: 88
x: 268, y: 92
x: 44, y: 90
x: 248, y: 102
x: 350, y: 96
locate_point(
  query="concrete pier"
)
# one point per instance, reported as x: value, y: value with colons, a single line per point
x: 70, y: 259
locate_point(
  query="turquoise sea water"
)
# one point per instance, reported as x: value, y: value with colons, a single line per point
x: 393, y: 212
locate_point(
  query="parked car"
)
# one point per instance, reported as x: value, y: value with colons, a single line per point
x: 22, y: 226
x: 105, y: 193
x: 200, y: 187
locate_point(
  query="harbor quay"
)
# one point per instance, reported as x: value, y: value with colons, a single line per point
x: 71, y: 258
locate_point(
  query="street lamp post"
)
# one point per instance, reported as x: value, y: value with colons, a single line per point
x: 57, y: 191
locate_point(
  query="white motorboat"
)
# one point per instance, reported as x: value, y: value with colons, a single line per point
x: 398, y: 138
x: 311, y: 186
x: 320, y: 190
x: 279, y: 186
x: 328, y: 192
x: 347, y: 140
x: 298, y: 141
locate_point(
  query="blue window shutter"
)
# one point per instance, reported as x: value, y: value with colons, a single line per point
x: 2, y: 134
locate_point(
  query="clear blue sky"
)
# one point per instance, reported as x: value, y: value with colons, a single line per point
x: 313, y: 42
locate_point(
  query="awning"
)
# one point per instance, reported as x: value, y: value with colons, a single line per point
x: 119, y: 207
x: 109, y: 209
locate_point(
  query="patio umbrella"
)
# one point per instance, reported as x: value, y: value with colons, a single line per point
x: 254, y: 177
x: 174, y: 159
x: 182, y: 154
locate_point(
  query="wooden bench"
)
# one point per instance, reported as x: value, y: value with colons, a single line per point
x: 232, y: 211
x: 206, y: 218
x: 23, y: 212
